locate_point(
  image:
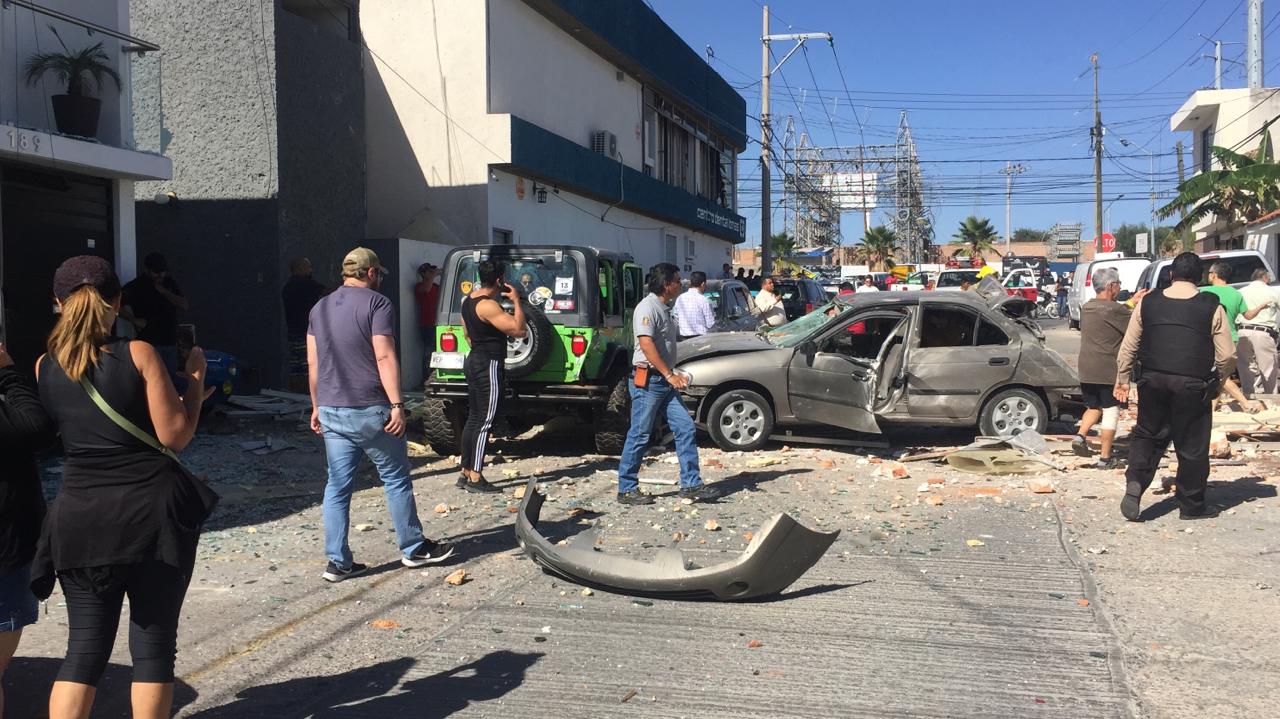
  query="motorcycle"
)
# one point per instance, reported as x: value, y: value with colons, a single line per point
x: 1046, y: 305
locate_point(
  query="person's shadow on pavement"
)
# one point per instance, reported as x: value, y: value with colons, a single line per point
x: 1220, y: 496
x: 364, y: 693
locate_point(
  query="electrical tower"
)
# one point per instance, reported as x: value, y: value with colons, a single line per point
x: 821, y: 183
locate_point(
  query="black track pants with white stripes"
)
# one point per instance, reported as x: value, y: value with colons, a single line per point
x: 485, y: 379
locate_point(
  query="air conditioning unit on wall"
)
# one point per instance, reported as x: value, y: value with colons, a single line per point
x: 604, y: 143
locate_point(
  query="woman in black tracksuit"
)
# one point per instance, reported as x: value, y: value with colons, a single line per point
x: 487, y: 327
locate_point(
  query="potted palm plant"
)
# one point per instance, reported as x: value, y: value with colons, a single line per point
x: 75, y: 113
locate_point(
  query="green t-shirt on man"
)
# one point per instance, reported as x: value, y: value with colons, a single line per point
x: 1232, y: 303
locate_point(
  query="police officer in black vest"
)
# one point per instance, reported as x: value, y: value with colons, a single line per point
x: 1177, y: 349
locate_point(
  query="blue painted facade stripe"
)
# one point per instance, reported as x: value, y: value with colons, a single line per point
x: 557, y: 161
x: 649, y: 47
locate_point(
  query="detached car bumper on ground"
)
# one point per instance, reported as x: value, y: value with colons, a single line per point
x: 960, y: 359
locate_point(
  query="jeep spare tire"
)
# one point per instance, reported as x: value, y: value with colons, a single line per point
x: 526, y: 355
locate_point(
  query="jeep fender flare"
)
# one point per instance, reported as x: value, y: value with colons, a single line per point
x: 616, y: 364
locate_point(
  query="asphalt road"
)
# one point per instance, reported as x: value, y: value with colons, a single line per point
x: 976, y: 597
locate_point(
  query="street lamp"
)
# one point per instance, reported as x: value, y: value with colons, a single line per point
x: 1151, y: 173
x: 1106, y: 214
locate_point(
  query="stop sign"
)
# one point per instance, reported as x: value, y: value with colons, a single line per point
x: 1107, y: 243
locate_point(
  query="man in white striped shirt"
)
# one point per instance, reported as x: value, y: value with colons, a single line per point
x: 693, y: 310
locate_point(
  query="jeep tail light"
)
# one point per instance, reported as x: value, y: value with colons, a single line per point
x: 578, y: 345
x: 1088, y: 281
x: 808, y: 307
x: 448, y: 342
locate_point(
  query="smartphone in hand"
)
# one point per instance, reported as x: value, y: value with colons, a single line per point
x: 186, y: 340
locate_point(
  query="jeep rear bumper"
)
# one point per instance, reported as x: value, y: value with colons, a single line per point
x: 532, y: 392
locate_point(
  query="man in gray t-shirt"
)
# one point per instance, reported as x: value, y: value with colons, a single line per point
x: 652, y: 318
x: 656, y: 388
x: 355, y: 405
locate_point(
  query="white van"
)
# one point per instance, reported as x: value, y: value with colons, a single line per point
x: 1130, y: 269
x: 1156, y: 276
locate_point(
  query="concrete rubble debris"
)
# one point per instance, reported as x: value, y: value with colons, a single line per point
x: 456, y: 578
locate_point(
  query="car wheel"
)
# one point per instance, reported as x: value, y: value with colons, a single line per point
x: 442, y: 425
x: 614, y: 419
x: 1072, y: 324
x: 526, y: 355
x: 1013, y: 411
x: 740, y: 421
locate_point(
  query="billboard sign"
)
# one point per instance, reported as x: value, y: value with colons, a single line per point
x: 1140, y: 243
x: 855, y: 191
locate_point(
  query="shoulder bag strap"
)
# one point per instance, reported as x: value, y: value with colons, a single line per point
x: 123, y: 422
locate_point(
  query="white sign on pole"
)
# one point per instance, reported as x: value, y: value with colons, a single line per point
x: 854, y: 191
x: 1140, y: 243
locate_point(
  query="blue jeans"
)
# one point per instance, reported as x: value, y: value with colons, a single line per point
x: 18, y: 606
x: 646, y: 403
x: 350, y: 432
x: 1062, y: 306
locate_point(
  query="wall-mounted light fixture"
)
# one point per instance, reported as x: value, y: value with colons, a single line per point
x: 540, y: 193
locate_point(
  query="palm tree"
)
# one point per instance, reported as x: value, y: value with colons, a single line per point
x: 975, y: 237
x: 877, y: 248
x: 1245, y: 188
x: 782, y: 245
x: 72, y: 66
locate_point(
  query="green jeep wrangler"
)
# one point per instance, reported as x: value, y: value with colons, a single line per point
x: 573, y: 361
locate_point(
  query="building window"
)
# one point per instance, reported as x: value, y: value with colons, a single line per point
x: 502, y: 237
x: 669, y: 251
x: 334, y: 17
x: 684, y: 152
x: 1206, y: 149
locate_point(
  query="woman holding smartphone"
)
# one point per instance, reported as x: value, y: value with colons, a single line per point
x: 487, y: 327
x: 128, y: 516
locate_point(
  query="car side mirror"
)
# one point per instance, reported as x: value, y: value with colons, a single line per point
x: 809, y: 348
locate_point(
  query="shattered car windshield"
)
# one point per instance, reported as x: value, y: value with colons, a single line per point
x: 793, y: 333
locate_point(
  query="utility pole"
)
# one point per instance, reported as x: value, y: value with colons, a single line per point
x: 1253, y: 46
x: 766, y: 130
x: 1097, y: 154
x: 1217, y: 64
x: 1009, y: 171
x: 766, y: 141
x: 1182, y: 173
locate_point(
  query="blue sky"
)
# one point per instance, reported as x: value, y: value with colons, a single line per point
x: 994, y: 81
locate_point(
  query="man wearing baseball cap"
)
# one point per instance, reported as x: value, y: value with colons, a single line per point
x: 356, y: 406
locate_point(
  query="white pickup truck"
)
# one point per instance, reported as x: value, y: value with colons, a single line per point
x: 1243, y: 263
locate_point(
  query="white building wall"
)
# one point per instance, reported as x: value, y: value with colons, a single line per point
x: 429, y: 137
x: 412, y: 253
x: 544, y: 75
x: 572, y: 219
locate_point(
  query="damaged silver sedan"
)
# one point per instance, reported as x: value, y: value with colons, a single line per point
x: 926, y: 358
x: 779, y: 554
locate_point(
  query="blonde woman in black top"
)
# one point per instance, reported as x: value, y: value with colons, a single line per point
x: 127, y: 518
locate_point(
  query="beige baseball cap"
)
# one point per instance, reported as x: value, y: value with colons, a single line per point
x: 361, y: 259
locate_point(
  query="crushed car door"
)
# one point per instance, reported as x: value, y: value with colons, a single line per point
x: 832, y: 380
x: 957, y: 357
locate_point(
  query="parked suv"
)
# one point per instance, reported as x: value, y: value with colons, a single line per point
x: 799, y: 296
x: 1243, y: 262
x: 1082, y: 290
x: 572, y: 362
